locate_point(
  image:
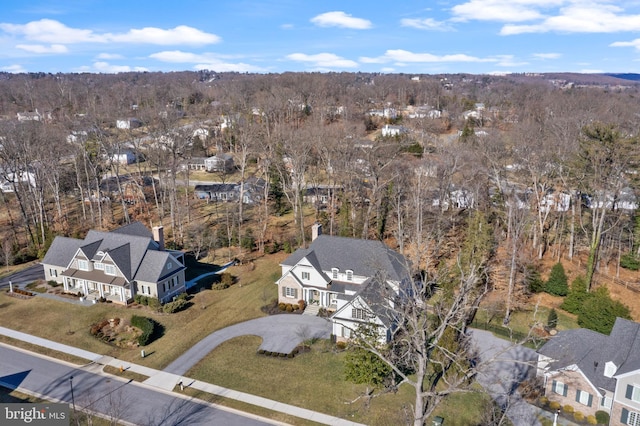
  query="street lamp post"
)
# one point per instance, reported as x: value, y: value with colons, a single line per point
x: 73, y: 401
x: 555, y: 417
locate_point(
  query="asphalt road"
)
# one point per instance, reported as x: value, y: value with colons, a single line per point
x: 117, y: 399
x: 502, y: 367
x: 25, y: 276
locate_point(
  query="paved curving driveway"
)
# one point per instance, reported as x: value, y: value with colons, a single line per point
x: 280, y: 333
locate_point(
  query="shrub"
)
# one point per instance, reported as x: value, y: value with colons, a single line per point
x: 602, y: 417
x: 146, y: 325
x: 289, y: 307
x: 599, y: 311
x: 154, y: 303
x: 227, y: 279
x: 578, y: 416
x: 554, y: 405
x: 552, y: 319
x: 630, y: 261
x: 591, y: 419
x: 341, y: 345
x: 557, y: 282
x: 568, y: 409
x: 302, y: 304
x: 533, y: 280
x: 576, y: 297
x: 175, y: 306
x: 282, y: 306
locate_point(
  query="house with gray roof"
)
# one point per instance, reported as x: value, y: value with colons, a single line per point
x: 592, y: 371
x: 353, y: 279
x: 117, y: 265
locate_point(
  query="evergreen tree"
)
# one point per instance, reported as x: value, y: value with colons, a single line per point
x: 576, y: 297
x: 557, y: 282
x: 599, y: 311
x: 552, y: 319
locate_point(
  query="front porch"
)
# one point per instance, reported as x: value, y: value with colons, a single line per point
x: 320, y: 298
x: 92, y: 290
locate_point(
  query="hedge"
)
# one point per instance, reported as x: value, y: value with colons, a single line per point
x: 146, y: 325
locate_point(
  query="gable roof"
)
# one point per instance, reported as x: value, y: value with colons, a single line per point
x: 363, y: 257
x: 590, y: 351
x: 131, y: 248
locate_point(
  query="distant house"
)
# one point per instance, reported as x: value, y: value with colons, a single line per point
x: 391, y: 131
x: 12, y: 181
x: 117, y: 265
x: 351, y: 278
x: 125, y: 156
x: 29, y: 116
x: 592, y: 371
x: 128, y: 123
x: 219, y: 163
x: 389, y: 113
x: 320, y: 195
x: 217, y: 192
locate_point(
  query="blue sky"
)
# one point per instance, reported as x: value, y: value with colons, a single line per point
x: 408, y: 36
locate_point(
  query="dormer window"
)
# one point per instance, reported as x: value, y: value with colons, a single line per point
x: 334, y: 273
x: 83, y: 265
x: 306, y: 276
x: 169, y: 266
x: 98, y: 265
x: 349, y: 275
x: 609, y: 369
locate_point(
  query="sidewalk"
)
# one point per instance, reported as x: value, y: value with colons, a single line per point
x: 168, y: 381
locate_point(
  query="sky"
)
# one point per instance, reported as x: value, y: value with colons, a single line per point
x: 275, y: 36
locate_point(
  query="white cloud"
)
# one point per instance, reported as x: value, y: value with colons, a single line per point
x: 509, y: 61
x: 16, y: 69
x: 633, y: 43
x: 581, y: 18
x: 46, y: 30
x: 204, y: 61
x: 39, y: 48
x: 404, y: 56
x: 501, y: 10
x: 324, y: 60
x: 544, y: 56
x: 110, y: 56
x: 426, y: 24
x: 105, y: 67
x: 181, y: 34
x: 341, y: 19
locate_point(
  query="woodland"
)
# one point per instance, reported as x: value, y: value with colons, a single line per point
x: 481, y: 182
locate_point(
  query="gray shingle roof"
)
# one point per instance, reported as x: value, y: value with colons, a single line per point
x: 363, y: 257
x: 590, y: 351
x: 131, y: 247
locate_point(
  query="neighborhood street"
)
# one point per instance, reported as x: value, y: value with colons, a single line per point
x: 117, y: 399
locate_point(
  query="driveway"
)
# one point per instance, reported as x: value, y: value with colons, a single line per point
x: 25, y: 276
x: 506, y: 366
x: 280, y: 333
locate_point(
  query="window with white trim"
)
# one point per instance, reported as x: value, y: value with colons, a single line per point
x: 169, y: 266
x: 633, y: 393
x: 606, y: 402
x: 83, y: 265
x: 306, y: 276
x: 334, y: 273
x: 559, y: 388
x: 349, y: 275
x: 109, y: 269
x: 359, y: 313
x: 584, y: 398
x: 290, y: 292
x: 346, y: 332
x: 633, y: 419
x: 99, y: 266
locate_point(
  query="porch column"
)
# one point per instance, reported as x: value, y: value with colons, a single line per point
x: 85, y: 289
x: 65, y: 284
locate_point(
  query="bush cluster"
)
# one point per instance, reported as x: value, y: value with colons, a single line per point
x: 602, y: 417
x: 578, y: 416
x: 96, y: 328
x: 288, y: 307
x: 146, y: 325
x: 279, y: 354
x: 630, y: 261
x: 175, y: 306
x: 591, y: 419
x: 226, y: 281
x: 151, y: 302
x: 23, y: 292
x: 557, y: 282
x: 554, y: 405
x: 568, y: 409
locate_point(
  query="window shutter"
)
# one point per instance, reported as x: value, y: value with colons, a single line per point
x: 284, y: 291
x: 553, y: 386
x: 625, y: 416
x: 590, y: 401
x: 565, y: 390
x: 629, y: 393
x: 578, y: 395
x: 295, y: 293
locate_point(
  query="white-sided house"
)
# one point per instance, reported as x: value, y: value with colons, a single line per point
x: 345, y: 276
x: 390, y: 130
x: 117, y: 265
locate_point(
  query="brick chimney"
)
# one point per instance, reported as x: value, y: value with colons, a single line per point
x: 158, y: 236
x: 316, y: 230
